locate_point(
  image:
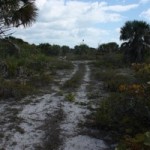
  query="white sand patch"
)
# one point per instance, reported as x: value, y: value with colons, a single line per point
x: 84, y: 143
x: 74, y: 114
x: 33, y: 115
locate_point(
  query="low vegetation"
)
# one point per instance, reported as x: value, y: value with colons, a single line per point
x: 125, y: 111
x: 124, y: 74
x: 70, y: 97
x: 27, y: 72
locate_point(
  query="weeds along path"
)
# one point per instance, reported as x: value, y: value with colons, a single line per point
x: 75, y: 112
x: 28, y: 124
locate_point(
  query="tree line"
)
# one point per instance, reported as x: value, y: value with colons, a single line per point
x: 134, y: 34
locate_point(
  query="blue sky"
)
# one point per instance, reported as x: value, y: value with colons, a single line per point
x: 68, y: 22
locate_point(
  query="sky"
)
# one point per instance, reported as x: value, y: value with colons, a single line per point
x: 69, y: 22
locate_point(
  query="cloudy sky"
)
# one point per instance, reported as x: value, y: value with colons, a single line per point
x: 68, y: 22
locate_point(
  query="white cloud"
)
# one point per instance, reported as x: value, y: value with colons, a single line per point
x: 146, y: 14
x: 121, y: 8
x: 40, y: 3
x: 144, y: 1
x: 69, y: 22
x: 118, y: 30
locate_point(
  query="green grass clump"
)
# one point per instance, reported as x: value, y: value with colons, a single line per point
x: 70, y: 97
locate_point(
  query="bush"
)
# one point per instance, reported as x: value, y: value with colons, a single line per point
x: 143, y: 74
x: 113, y: 60
x: 138, y: 142
x: 112, y: 80
x: 127, y: 112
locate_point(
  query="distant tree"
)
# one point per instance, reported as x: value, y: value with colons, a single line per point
x: 65, y: 49
x: 45, y: 48
x: 136, y: 35
x: 56, y: 49
x: 108, y: 47
x: 51, y: 50
x: 92, y: 51
x: 16, y: 40
x: 81, y: 49
x: 77, y: 49
x: 14, y: 13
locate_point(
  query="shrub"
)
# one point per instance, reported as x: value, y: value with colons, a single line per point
x: 126, y: 112
x: 138, y: 142
x: 113, y: 60
x: 112, y: 79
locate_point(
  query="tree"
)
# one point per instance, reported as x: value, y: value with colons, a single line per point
x: 14, y: 13
x: 45, y: 48
x: 108, y: 47
x: 81, y: 49
x: 136, y: 35
x: 56, y: 50
x: 65, y: 49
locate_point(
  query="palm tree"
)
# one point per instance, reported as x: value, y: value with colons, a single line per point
x: 14, y: 13
x: 136, y: 35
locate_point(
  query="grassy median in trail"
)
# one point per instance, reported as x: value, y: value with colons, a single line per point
x: 76, y: 80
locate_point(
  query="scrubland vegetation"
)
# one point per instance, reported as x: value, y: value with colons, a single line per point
x: 124, y: 113
x: 24, y: 72
x: 123, y: 101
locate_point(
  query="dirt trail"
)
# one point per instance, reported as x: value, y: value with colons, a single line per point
x: 75, y: 114
x: 43, y: 122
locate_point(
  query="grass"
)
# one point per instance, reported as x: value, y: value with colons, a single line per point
x: 110, y: 60
x: 15, y: 89
x: 93, y: 95
x: 111, y: 78
x: 70, y: 97
x: 76, y: 80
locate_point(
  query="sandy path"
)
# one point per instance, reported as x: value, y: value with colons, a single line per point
x: 21, y: 126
